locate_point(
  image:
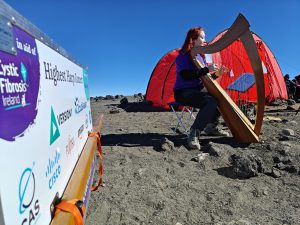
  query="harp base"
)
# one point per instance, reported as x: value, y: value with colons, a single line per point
x: 241, y: 128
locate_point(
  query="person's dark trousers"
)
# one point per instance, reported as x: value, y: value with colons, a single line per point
x: 199, y: 98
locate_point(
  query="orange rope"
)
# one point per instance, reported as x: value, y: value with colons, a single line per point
x: 72, y: 207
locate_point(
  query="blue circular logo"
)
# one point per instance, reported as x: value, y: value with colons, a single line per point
x: 26, y: 189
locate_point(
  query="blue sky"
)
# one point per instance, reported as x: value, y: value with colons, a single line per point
x: 121, y: 41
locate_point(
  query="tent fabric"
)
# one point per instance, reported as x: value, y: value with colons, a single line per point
x: 235, y: 58
x: 277, y: 87
x: 160, y: 87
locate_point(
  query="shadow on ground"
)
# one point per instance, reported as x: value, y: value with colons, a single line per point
x: 155, y: 140
x: 136, y: 139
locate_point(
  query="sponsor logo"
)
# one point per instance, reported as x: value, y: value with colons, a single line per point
x: 64, y: 116
x: 70, y: 146
x: 55, y: 74
x: 19, y: 87
x: 80, y: 131
x: 86, y: 120
x: 13, y: 91
x: 57, y: 121
x: 54, y: 131
x: 86, y: 85
x: 79, y: 106
x: 9, y: 70
x: 53, y: 170
x: 29, y: 207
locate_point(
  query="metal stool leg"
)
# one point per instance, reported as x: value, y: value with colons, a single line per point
x: 180, y: 118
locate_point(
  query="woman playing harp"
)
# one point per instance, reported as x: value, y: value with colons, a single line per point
x: 189, y: 89
x: 242, y: 129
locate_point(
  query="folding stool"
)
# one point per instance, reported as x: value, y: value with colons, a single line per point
x: 183, y: 121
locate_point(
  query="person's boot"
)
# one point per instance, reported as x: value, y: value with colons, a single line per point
x: 214, y: 130
x: 193, y: 141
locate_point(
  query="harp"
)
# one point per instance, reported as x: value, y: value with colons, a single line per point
x: 240, y: 126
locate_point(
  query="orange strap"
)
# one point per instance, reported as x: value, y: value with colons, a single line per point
x: 97, y: 135
x: 75, y: 207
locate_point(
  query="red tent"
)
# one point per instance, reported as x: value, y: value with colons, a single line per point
x: 238, y: 82
x: 160, y: 87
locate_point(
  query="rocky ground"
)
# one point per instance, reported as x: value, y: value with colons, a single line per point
x: 150, y: 176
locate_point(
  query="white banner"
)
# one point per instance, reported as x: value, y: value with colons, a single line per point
x: 45, y: 118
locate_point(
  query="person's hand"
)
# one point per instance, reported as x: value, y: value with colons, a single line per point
x: 221, y: 70
x: 212, y: 68
x: 217, y: 71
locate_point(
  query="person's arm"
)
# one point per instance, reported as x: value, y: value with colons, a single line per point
x: 189, y: 74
